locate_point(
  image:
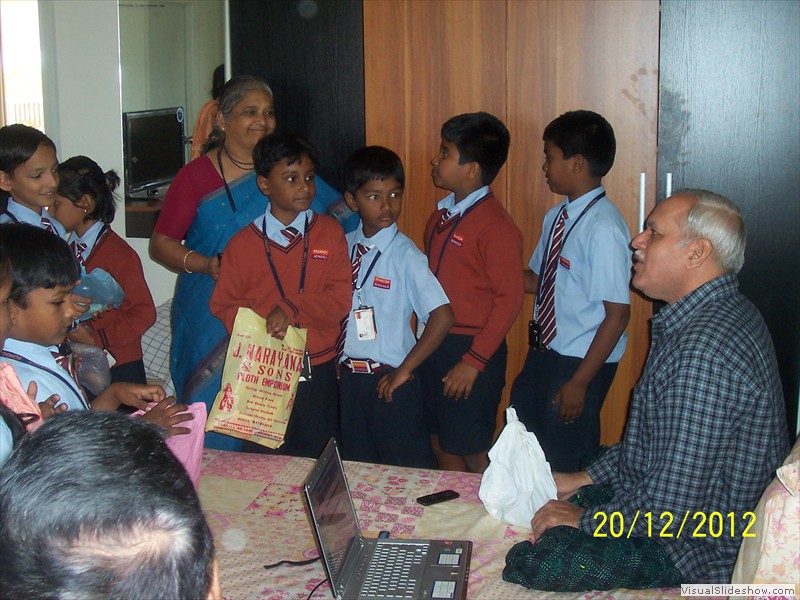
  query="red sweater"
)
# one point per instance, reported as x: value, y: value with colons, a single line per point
x: 120, y: 330
x: 481, y: 272
x: 246, y: 279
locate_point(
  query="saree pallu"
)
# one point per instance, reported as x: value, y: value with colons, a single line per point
x: 199, y: 339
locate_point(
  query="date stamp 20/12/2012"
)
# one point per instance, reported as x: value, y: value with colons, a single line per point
x: 697, y: 524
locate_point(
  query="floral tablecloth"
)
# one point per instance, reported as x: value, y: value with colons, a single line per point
x: 254, y: 505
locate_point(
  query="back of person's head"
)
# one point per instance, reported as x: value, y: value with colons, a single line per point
x: 720, y: 221
x: 586, y: 133
x: 481, y: 138
x: 80, y: 175
x: 217, y: 81
x: 39, y: 259
x: 276, y: 147
x: 371, y: 163
x: 230, y: 94
x: 94, y: 505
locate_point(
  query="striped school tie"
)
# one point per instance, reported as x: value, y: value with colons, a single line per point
x: 78, y: 248
x: 547, y: 308
x: 446, y: 219
x: 361, y: 250
x: 48, y: 225
x: 291, y: 234
x: 64, y: 358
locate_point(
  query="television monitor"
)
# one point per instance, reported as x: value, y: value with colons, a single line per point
x: 154, y: 148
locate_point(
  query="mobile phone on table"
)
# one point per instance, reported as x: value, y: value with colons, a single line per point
x: 437, y: 497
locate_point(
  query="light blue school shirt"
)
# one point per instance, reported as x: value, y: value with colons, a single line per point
x: 275, y: 227
x: 399, y: 284
x: 47, y: 383
x: 453, y: 208
x: 6, y: 442
x: 16, y: 213
x: 599, y: 270
x: 89, y: 238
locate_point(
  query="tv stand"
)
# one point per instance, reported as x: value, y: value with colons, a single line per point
x: 141, y: 212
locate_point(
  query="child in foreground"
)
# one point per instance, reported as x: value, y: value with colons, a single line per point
x: 19, y: 411
x: 580, y: 274
x: 290, y: 267
x: 475, y: 250
x: 44, y: 272
x: 382, y: 405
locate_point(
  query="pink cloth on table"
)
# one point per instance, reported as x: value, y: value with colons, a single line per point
x: 188, y: 448
x: 15, y: 398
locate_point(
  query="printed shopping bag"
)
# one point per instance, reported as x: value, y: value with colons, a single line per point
x: 259, y: 382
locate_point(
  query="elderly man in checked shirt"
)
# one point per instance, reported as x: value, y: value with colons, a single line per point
x: 707, y: 425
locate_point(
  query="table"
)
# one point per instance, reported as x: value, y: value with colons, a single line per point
x: 254, y: 505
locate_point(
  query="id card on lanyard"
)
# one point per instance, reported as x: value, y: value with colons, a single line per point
x: 364, y: 316
x: 305, y: 374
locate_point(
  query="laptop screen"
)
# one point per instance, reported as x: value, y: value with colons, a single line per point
x: 332, y: 510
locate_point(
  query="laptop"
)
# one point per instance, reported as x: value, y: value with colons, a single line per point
x: 384, y: 568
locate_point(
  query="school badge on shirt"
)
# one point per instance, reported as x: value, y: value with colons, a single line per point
x: 319, y: 254
x: 380, y: 282
x: 457, y: 239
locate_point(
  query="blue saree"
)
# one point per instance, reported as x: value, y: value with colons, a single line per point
x: 199, y: 339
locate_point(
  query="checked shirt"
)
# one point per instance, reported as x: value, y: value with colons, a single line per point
x: 707, y: 430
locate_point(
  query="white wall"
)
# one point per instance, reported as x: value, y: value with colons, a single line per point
x: 83, y: 107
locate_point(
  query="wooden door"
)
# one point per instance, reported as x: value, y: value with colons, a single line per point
x: 526, y: 62
x: 600, y: 56
x: 425, y: 62
x: 729, y: 121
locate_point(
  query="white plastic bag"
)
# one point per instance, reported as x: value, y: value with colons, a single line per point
x: 518, y: 481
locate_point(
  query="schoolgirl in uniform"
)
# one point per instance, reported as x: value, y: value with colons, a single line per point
x: 85, y: 206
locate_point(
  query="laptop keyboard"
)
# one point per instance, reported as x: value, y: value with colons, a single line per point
x: 393, y: 570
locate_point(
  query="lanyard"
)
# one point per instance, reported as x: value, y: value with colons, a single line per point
x: 22, y: 359
x: 225, y: 183
x: 449, y: 235
x: 563, y: 242
x: 11, y: 216
x: 272, y: 264
x: 371, y: 266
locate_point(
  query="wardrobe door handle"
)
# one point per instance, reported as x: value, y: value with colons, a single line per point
x: 669, y: 186
x: 642, y: 179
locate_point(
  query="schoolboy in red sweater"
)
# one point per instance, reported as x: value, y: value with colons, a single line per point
x: 474, y: 249
x: 290, y: 265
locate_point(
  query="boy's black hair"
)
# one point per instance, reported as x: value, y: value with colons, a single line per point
x: 586, y: 133
x: 370, y: 163
x: 116, y: 514
x: 273, y: 148
x: 80, y: 175
x: 481, y: 138
x: 39, y: 259
x: 14, y: 424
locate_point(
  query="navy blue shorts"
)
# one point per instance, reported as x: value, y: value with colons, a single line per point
x: 564, y: 444
x: 315, y: 416
x: 377, y: 431
x: 464, y: 426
